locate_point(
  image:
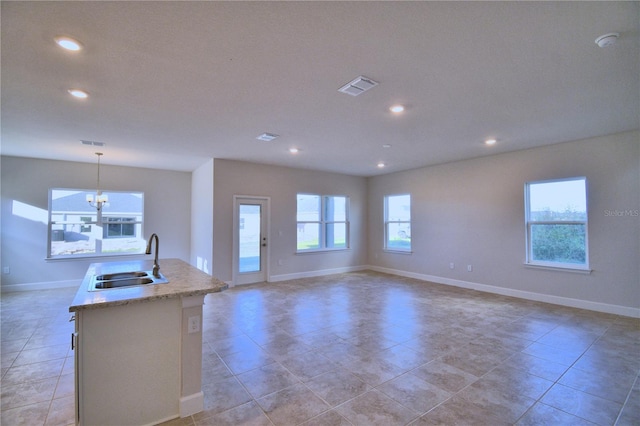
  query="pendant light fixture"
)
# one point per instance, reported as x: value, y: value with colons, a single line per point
x: 98, y: 200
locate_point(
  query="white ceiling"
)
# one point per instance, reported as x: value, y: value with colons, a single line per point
x: 173, y: 84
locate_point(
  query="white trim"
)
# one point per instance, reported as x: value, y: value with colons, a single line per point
x: 545, y: 267
x: 528, y: 223
x: 160, y: 421
x: 191, y: 404
x: 45, y: 285
x: 266, y: 260
x: 100, y: 221
x: 98, y: 258
x: 192, y: 301
x: 387, y: 221
x: 317, y: 251
x: 397, y: 251
x: 322, y: 222
x: 538, y: 297
x: 317, y: 273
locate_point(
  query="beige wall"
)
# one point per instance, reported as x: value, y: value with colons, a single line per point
x: 282, y: 184
x: 467, y: 212
x: 27, y: 181
x: 472, y: 212
x: 202, y: 217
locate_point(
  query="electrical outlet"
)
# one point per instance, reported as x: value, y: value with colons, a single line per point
x: 6, y: 270
x: 469, y: 268
x: 452, y: 265
x: 194, y: 324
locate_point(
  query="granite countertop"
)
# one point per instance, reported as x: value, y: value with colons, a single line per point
x: 184, y: 280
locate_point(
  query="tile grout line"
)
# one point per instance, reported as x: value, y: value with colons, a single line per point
x: 557, y: 381
x: 637, y: 380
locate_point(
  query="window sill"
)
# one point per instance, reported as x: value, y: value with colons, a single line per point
x: 584, y: 271
x: 321, y: 251
x: 93, y: 257
x: 397, y: 251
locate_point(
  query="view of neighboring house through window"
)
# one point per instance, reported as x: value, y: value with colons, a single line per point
x: 323, y: 222
x: 78, y: 229
x: 556, y: 223
x: 397, y: 222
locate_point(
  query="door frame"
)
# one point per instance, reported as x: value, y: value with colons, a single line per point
x: 266, y: 216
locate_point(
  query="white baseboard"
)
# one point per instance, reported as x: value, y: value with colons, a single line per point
x: 160, y: 421
x: 538, y: 297
x: 191, y: 404
x: 318, y: 273
x: 45, y: 285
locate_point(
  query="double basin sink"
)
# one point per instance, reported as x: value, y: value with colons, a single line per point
x: 125, y: 279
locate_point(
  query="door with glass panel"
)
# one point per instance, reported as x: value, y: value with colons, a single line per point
x: 250, y: 240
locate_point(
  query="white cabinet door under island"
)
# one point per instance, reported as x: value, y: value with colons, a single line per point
x: 138, y: 348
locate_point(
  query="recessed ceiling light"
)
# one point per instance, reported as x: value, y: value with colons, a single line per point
x: 68, y: 43
x: 490, y: 142
x: 386, y: 145
x: 267, y: 137
x: 397, y: 109
x: 380, y: 165
x: 80, y: 94
x: 294, y: 150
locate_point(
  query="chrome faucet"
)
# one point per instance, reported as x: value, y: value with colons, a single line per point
x: 156, y: 267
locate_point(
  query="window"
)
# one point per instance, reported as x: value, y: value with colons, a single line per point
x: 556, y: 223
x: 77, y: 229
x: 120, y: 227
x: 397, y: 222
x: 323, y: 222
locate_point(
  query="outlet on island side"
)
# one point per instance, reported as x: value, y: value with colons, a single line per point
x: 194, y: 324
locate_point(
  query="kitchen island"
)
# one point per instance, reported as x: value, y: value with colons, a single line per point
x: 138, y: 349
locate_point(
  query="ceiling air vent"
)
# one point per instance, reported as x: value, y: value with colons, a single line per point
x: 357, y: 86
x: 267, y: 137
x: 92, y: 143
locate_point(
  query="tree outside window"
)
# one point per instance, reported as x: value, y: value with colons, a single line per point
x: 556, y: 223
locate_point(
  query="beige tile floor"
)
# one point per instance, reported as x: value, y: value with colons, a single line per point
x: 359, y: 349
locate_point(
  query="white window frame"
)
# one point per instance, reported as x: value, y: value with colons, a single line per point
x: 101, y: 221
x: 388, y: 221
x: 529, y: 222
x: 323, y: 224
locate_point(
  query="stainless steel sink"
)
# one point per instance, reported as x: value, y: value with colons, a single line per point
x: 121, y: 275
x: 125, y: 279
x: 122, y: 283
